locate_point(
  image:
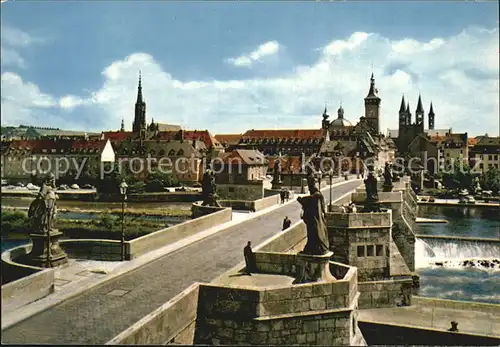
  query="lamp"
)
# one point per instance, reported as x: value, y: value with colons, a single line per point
x: 123, y: 192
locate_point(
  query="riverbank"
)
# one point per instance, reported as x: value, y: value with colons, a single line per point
x: 445, y: 202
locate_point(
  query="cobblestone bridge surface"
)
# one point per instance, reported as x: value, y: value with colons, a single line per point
x: 96, y: 316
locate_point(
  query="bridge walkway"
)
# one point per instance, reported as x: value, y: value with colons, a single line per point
x: 102, y: 312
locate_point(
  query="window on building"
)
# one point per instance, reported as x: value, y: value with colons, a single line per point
x: 379, y: 250
x: 361, y: 251
x: 481, y: 166
x: 353, y: 326
x: 495, y: 157
x: 370, y: 250
x: 231, y: 189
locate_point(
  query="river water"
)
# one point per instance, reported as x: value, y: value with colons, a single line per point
x: 449, y: 279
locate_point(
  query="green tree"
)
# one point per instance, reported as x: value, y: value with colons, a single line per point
x: 460, y: 176
x: 491, y: 180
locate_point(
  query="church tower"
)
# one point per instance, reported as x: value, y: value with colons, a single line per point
x: 372, y: 107
x: 431, y: 118
x: 402, y: 113
x: 408, y: 114
x: 419, y: 115
x: 140, y: 111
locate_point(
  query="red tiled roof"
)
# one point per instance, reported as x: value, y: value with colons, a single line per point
x: 472, y: 141
x: 60, y: 145
x: 247, y: 156
x: 230, y: 139
x: 291, y: 133
x: 116, y: 135
x: 189, y: 135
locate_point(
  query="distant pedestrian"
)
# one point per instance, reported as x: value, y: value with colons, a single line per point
x: 286, y: 223
x: 353, y: 208
x: 249, y: 258
x: 282, y: 196
x: 287, y: 195
x: 454, y: 326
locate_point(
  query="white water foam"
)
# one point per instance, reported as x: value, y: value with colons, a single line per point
x: 457, y: 254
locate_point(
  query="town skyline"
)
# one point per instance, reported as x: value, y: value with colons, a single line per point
x: 268, y: 81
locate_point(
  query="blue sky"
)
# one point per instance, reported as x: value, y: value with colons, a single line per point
x: 74, y: 64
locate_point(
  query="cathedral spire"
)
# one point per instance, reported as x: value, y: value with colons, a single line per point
x: 420, y: 108
x: 122, y: 128
x: 402, y: 108
x: 139, y: 89
x: 139, y: 123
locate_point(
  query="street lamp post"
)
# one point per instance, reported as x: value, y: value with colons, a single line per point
x: 291, y: 176
x: 331, y: 178
x: 123, y: 191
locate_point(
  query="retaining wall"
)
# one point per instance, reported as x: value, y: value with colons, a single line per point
x: 251, y: 205
x: 387, y: 293
x: 160, y: 238
x: 167, y: 324
x: 27, y: 289
x: 457, y: 305
x: 11, y: 270
x: 399, y: 335
x: 95, y: 249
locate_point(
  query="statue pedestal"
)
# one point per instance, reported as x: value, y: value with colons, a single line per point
x: 371, y: 206
x: 38, y: 255
x: 313, y: 268
x: 387, y: 187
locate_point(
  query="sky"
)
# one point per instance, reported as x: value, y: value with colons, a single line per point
x: 234, y: 66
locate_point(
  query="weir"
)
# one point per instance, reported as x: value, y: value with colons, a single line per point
x: 432, y: 250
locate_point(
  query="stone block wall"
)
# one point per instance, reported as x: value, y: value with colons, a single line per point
x: 327, y: 328
x: 388, y: 293
x: 286, y: 240
x: 240, y: 191
x: 357, y: 220
x: 363, y: 241
x: 276, y: 263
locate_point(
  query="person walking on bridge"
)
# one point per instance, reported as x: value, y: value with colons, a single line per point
x: 249, y: 258
x: 286, y: 223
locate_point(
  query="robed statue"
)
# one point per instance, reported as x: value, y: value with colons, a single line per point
x: 276, y: 182
x: 42, y: 210
x: 388, y: 174
x: 209, y: 189
x: 387, y: 187
x: 371, y: 204
x: 313, y: 215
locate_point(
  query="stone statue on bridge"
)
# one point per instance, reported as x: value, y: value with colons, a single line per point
x: 387, y: 187
x: 371, y: 202
x: 209, y: 189
x: 45, y: 251
x: 276, y: 182
x: 314, y: 217
x: 42, y: 210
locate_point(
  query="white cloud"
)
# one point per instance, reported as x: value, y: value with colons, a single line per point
x: 459, y: 74
x: 10, y: 57
x: 13, y: 40
x: 18, y: 38
x: 264, y: 50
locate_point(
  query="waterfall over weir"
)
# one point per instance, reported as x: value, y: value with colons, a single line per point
x: 457, y: 253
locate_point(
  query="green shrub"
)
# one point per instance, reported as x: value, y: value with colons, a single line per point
x: 14, y: 222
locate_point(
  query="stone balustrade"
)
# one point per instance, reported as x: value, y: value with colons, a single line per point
x: 359, y: 220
